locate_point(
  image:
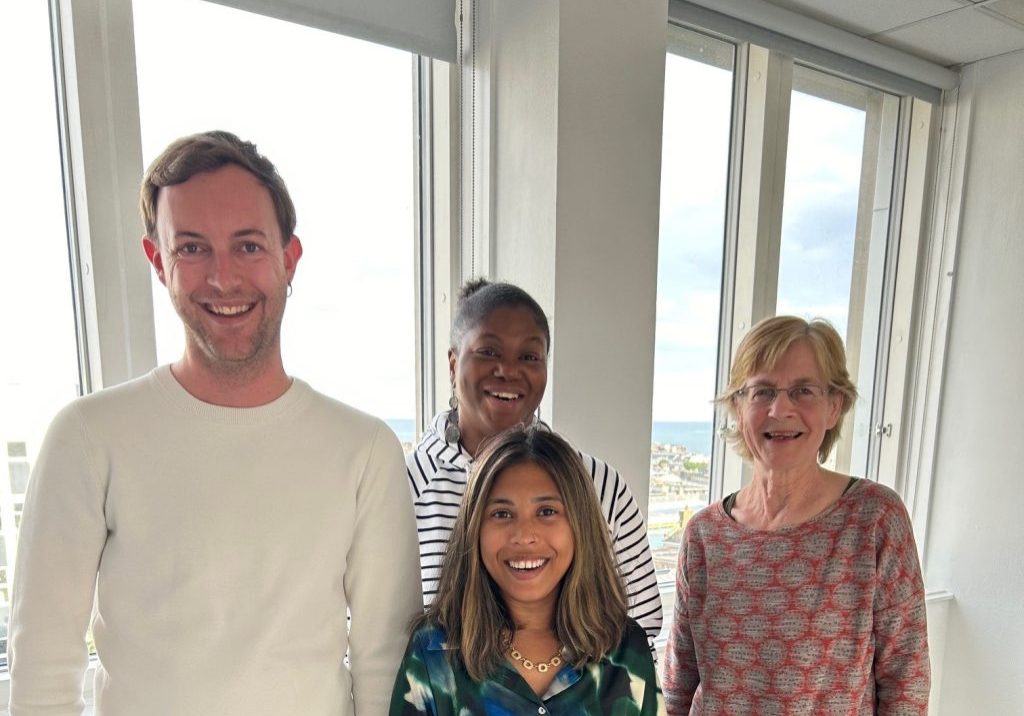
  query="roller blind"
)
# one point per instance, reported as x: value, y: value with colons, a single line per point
x: 816, y: 43
x: 424, y: 27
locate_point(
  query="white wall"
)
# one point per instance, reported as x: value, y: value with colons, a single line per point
x: 976, y: 530
x: 579, y: 88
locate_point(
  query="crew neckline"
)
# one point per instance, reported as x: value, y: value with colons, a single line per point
x: 855, y: 486
x: 292, y: 399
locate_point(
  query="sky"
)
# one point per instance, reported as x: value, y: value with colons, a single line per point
x: 336, y: 116
x: 819, y: 217
x: 342, y: 136
x: 38, y: 361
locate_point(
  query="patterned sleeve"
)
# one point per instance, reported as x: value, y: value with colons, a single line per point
x: 681, y: 674
x: 902, y: 671
x: 630, y: 545
x: 413, y: 692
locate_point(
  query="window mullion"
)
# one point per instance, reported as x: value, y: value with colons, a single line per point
x: 883, y: 403
x: 881, y: 124
x: 765, y: 134
x: 895, y: 406
x: 103, y: 169
x: 423, y: 243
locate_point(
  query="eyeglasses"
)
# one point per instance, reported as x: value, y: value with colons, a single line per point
x: 764, y: 395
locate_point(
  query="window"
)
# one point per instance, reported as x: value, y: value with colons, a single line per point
x: 835, y: 221
x: 694, y: 182
x: 39, y: 369
x: 19, y: 476
x: 336, y: 116
x: 798, y: 211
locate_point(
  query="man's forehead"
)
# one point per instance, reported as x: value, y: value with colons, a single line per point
x: 228, y: 194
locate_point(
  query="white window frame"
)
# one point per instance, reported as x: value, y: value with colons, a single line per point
x: 763, y: 84
x: 925, y: 216
x: 101, y: 150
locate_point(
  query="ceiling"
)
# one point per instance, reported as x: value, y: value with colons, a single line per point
x: 947, y: 32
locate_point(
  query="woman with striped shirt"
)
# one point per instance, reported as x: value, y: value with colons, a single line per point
x: 498, y: 368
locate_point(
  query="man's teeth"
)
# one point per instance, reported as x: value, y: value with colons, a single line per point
x: 526, y: 563
x: 229, y: 310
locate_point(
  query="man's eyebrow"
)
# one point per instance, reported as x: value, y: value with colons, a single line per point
x: 243, y: 233
x: 185, y: 234
x: 239, y: 234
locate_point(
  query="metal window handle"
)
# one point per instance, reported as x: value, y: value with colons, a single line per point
x: 885, y: 430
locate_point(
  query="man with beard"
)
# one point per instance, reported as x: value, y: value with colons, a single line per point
x: 215, y: 518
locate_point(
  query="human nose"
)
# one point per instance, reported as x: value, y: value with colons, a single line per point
x: 506, y: 367
x: 222, y: 273
x: 782, y: 403
x: 523, y: 532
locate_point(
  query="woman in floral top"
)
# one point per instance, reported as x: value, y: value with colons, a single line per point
x: 530, y: 614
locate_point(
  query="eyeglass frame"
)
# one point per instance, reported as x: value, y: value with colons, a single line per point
x: 744, y: 392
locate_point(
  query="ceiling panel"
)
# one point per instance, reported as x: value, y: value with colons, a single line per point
x: 957, y: 37
x: 867, y: 17
x: 1013, y: 9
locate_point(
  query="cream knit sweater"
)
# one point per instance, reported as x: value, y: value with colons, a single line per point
x: 215, y: 551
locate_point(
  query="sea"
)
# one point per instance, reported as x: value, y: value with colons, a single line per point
x: 694, y: 436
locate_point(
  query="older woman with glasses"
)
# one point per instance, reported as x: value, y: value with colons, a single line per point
x: 801, y: 593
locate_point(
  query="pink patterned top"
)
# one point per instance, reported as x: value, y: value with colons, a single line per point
x: 827, y: 617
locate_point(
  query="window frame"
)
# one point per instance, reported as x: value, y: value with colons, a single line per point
x: 763, y: 83
x: 96, y: 99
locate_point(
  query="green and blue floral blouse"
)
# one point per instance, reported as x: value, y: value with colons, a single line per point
x: 623, y: 683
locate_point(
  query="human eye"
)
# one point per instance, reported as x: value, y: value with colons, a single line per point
x: 533, y: 357
x: 762, y: 394
x: 501, y: 514
x: 250, y: 247
x: 803, y: 393
x: 189, y: 248
x: 547, y: 511
x: 486, y: 352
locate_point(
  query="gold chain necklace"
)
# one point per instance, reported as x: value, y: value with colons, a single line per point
x: 542, y: 667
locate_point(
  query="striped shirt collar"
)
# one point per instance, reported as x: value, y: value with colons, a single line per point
x: 440, y: 450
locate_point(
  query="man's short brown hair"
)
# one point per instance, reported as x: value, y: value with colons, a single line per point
x: 207, y: 152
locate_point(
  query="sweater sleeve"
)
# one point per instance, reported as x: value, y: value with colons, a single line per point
x: 682, y: 676
x: 383, y: 593
x: 630, y: 545
x: 62, y: 536
x: 901, y: 666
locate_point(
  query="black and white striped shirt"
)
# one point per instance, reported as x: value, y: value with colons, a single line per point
x: 438, y: 473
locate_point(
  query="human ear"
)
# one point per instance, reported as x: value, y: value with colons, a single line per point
x: 154, y: 256
x: 292, y: 254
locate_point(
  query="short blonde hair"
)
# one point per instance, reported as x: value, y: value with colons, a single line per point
x: 762, y: 348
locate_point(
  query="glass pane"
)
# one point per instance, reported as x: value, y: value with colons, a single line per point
x: 695, y: 160
x: 839, y: 168
x: 336, y: 117
x: 39, y: 362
